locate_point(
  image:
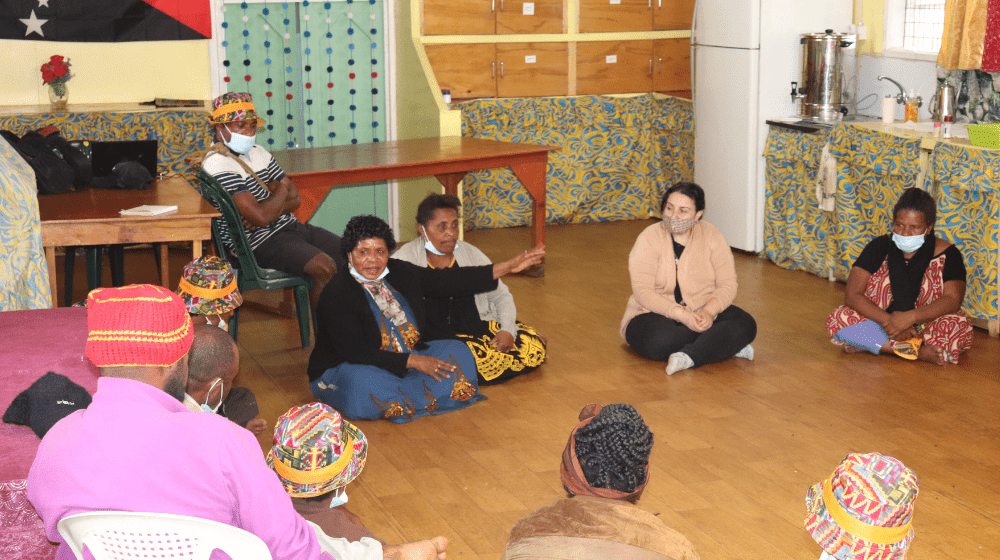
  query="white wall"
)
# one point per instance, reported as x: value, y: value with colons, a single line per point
x: 920, y: 75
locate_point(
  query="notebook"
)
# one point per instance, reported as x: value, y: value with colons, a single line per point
x: 105, y: 155
x: 149, y: 210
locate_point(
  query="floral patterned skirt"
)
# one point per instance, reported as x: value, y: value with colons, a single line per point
x: 953, y: 331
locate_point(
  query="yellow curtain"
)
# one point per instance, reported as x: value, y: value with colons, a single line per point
x: 964, y: 34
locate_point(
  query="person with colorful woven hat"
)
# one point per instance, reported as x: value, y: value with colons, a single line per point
x: 213, y: 364
x: 604, y: 469
x: 137, y: 448
x: 864, y: 510
x: 266, y: 197
x: 209, y: 290
x: 316, y: 454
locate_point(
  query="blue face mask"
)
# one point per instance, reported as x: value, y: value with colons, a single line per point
x: 356, y: 274
x: 204, y: 405
x: 908, y: 243
x: 428, y: 245
x: 339, y: 498
x: 239, y: 143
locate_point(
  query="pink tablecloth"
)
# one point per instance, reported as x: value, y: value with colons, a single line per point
x: 31, y: 344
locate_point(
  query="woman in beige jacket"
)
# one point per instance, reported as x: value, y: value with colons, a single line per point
x: 683, y: 286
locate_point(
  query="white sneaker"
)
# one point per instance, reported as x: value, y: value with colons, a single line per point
x: 678, y: 361
x: 746, y: 352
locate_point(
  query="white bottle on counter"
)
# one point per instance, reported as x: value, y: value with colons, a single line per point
x: 888, y: 109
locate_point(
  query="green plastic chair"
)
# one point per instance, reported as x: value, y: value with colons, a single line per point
x: 250, y: 276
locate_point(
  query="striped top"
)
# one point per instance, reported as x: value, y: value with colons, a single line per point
x: 235, y: 179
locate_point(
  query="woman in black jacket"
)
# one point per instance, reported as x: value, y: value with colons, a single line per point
x: 370, y: 360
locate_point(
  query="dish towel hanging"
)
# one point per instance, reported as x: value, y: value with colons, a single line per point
x: 826, y: 180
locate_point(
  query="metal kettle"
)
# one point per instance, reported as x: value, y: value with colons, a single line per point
x: 943, y: 103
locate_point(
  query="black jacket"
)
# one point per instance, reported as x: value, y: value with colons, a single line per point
x: 347, y: 331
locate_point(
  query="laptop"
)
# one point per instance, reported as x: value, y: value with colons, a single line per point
x: 105, y: 155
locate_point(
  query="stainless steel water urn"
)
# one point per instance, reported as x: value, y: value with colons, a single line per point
x: 821, y: 74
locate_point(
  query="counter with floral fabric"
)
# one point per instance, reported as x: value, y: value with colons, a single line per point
x: 618, y: 156
x: 874, y: 165
x: 180, y: 133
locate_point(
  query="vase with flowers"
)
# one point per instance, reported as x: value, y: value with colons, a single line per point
x: 55, y: 74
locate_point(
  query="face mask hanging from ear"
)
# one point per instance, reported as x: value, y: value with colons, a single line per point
x: 239, y: 143
x: 204, y: 405
x: 357, y: 275
x: 427, y: 243
x: 339, y: 497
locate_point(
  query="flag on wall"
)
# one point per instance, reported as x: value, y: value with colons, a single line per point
x: 105, y: 20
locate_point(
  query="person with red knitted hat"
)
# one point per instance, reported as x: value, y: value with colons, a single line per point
x: 138, y: 448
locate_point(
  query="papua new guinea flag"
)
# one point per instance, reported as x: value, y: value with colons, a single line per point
x: 105, y: 20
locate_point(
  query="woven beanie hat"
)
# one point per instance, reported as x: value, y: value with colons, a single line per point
x: 208, y: 287
x: 234, y: 106
x: 316, y: 451
x: 137, y: 325
x: 865, y: 509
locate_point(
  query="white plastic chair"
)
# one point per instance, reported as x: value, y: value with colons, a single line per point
x: 126, y: 535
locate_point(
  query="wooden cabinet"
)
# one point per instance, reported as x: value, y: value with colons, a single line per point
x: 533, y: 69
x: 672, y: 14
x: 672, y: 66
x: 614, y: 67
x: 488, y: 17
x: 468, y: 70
x: 462, y: 17
x: 605, y: 16
x: 540, y: 16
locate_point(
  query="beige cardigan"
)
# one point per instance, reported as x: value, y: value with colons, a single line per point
x: 706, y: 270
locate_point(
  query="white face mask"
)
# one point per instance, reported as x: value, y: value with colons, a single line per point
x: 339, y: 498
x: 204, y: 405
x: 238, y: 142
x: 222, y: 323
x: 427, y: 243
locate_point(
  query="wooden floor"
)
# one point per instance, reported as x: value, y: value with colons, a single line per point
x: 737, y: 443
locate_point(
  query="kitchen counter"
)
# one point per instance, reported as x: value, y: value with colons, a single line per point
x: 874, y: 164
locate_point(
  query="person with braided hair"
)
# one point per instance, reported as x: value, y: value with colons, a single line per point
x: 605, y: 468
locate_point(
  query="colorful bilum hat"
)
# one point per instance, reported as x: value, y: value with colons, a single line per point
x: 234, y: 106
x: 137, y: 325
x: 316, y: 451
x: 864, y: 510
x: 208, y: 287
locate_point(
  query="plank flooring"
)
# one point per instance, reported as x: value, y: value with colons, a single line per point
x: 736, y: 443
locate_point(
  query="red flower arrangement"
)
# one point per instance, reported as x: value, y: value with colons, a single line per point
x: 55, y: 73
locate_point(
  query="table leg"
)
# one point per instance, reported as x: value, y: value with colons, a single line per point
x: 994, y: 327
x: 532, y: 176
x: 50, y: 260
x: 164, y: 263
x: 196, y: 249
x: 451, y: 181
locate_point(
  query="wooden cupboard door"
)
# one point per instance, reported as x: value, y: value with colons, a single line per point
x: 614, y: 67
x: 597, y: 16
x: 533, y: 69
x: 530, y: 16
x: 672, y: 65
x: 468, y: 70
x: 672, y: 14
x: 458, y: 17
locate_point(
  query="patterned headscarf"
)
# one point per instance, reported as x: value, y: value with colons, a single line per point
x: 316, y: 451
x: 208, y: 287
x: 865, y: 509
x: 234, y: 106
x: 571, y: 472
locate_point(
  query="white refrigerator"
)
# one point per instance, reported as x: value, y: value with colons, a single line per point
x: 746, y: 54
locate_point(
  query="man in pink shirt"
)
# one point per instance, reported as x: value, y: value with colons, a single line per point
x: 138, y: 448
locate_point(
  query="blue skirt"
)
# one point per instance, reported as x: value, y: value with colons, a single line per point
x: 363, y: 392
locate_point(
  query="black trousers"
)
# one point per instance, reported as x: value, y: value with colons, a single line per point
x: 657, y: 337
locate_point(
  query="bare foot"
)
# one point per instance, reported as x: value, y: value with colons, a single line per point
x: 933, y: 354
x: 848, y: 349
x: 431, y: 549
x: 545, y: 339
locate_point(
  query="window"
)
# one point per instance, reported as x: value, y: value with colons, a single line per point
x: 914, y: 27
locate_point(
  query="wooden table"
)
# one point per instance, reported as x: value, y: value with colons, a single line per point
x: 449, y: 158
x: 90, y: 217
